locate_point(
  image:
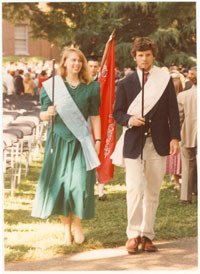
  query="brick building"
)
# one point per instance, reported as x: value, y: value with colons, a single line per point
x: 16, y: 42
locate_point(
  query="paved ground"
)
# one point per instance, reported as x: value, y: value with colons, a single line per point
x: 172, y: 255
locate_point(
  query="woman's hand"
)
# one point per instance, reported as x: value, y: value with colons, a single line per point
x: 97, y: 147
x: 51, y: 110
x: 47, y: 114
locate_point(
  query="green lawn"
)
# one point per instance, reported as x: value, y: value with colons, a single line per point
x: 8, y: 59
x: 28, y: 238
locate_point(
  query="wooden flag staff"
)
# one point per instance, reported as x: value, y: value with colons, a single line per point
x: 142, y: 114
x: 52, y: 119
x: 106, y: 50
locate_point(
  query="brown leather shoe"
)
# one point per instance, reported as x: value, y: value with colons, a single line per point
x: 147, y: 245
x: 132, y: 245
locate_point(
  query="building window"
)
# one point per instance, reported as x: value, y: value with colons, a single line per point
x: 21, y: 40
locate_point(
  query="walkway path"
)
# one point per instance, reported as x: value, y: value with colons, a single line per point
x: 178, y: 254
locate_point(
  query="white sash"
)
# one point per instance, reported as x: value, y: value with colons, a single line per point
x: 154, y: 88
x: 73, y: 119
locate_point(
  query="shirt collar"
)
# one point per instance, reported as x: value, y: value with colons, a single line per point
x: 139, y: 72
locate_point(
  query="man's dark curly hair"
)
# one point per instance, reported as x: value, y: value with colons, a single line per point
x: 142, y: 44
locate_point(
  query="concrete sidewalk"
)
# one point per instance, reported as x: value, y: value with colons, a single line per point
x: 178, y: 254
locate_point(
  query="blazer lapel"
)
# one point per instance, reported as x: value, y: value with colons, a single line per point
x: 136, y: 83
x: 133, y: 85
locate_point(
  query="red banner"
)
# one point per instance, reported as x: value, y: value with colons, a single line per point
x: 108, y: 126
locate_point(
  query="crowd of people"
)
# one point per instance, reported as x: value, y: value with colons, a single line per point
x: 25, y: 77
x: 66, y: 184
x: 177, y: 72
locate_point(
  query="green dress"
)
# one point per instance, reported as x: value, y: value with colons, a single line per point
x: 64, y: 185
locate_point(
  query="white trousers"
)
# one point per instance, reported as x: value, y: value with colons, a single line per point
x: 143, y: 183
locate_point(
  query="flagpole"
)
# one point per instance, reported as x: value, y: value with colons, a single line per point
x: 106, y: 49
x: 52, y: 118
x: 142, y: 114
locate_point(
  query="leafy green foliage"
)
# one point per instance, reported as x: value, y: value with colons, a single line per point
x: 88, y: 25
x: 176, y: 34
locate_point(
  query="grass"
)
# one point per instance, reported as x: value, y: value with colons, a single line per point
x: 28, y: 238
x: 8, y: 59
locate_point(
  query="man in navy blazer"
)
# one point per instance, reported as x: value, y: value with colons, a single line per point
x: 156, y: 134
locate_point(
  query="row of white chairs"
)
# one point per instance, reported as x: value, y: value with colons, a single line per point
x: 23, y: 134
x: 19, y: 151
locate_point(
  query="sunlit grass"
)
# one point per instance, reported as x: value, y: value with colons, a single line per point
x: 8, y: 59
x: 28, y: 238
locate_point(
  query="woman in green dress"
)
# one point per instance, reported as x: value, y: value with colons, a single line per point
x: 65, y: 187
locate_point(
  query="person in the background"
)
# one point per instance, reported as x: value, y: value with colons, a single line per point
x: 187, y: 104
x: 127, y: 71
x: 187, y: 83
x: 9, y: 79
x: 29, y: 85
x: 173, y: 162
x: 119, y: 76
x: 36, y: 83
x: 93, y: 65
x: 43, y: 77
x: 18, y: 82
x: 4, y: 84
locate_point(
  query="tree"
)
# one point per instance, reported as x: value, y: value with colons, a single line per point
x: 136, y: 19
x: 171, y: 24
x: 59, y: 22
x: 176, y: 34
x: 88, y: 25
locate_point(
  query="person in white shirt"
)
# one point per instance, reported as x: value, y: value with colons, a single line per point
x: 9, y: 80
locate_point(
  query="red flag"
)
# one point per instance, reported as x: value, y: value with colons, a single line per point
x: 108, y: 126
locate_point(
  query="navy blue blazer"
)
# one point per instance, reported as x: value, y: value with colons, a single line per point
x: 162, y: 119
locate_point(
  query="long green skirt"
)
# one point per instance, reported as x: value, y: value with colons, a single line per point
x: 64, y: 185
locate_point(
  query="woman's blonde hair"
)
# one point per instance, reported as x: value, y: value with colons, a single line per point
x: 84, y: 74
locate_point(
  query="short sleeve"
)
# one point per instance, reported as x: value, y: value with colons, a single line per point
x: 95, y: 99
x: 44, y: 100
